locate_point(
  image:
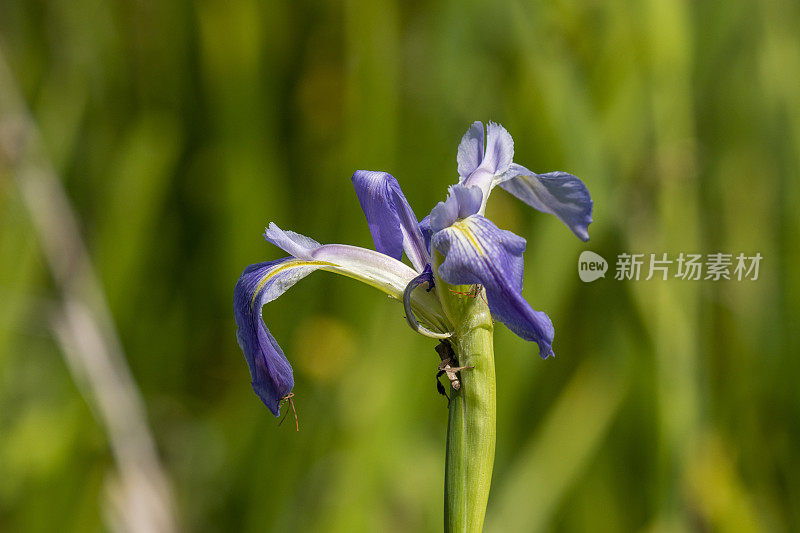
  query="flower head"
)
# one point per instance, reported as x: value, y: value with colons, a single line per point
x: 477, y: 251
x: 474, y: 251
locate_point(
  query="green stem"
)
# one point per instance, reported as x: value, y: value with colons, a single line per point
x: 471, y: 428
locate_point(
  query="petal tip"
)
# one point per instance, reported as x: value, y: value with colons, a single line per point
x: 546, y: 353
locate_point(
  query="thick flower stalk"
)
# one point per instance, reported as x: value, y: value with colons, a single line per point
x: 470, y: 272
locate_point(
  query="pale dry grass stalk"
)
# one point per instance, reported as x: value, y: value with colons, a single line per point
x: 139, y: 493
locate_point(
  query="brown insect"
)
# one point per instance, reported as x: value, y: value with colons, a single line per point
x: 288, y: 398
x: 448, y: 357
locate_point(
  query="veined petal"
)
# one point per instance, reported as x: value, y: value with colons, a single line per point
x: 261, y: 283
x: 470, y: 150
x: 295, y: 244
x: 495, y: 158
x: 469, y: 199
x: 427, y: 233
x: 558, y: 193
x: 374, y: 268
x: 477, y: 251
x: 270, y: 371
x: 499, y: 149
x: 391, y: 220
x: 443, y: 214
x: 462, y: 201
x: 368, y: 266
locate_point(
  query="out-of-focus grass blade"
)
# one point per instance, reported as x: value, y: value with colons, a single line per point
x: 138, y: 182
x: 716, y: 489
x: 671, y: 308
x: 20, y: 267
x: 554, y: 458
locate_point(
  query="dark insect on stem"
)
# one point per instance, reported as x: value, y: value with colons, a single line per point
x: 440, y: 388
x: 288, y: 398
x: 448, y: 357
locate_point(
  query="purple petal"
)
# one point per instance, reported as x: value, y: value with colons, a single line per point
x: 559, y: 193
x: 469, y: 199
x: 374, y: 268
x: 496, y: 159
x: 443, y: 214
x: 477, y: 251
x: 427, y: 233
x: 462, y: 201
x: 470, y: 150
x: 263, y: 282
x: 259, y: 284
x: 391, y: 220
x: 499, y: 149
x: 297, y: 245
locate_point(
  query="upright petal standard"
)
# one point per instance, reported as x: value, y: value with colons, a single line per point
x: 391, y: 220
x: 558, y: 193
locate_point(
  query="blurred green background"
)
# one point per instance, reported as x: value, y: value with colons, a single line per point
x: 179, y: 130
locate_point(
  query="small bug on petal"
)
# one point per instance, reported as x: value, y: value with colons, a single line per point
x: 288, y: 398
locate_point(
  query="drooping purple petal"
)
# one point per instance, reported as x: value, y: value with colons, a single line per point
x: 559, y: 193
x: 391, y: 220
x: 262, y: 283
x: 270, y: 371
x: 477, y: 251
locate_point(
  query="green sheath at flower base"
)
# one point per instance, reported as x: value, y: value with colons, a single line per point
x: 471, y: 428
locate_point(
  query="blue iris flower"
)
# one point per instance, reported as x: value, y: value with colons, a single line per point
x: 475, y: 251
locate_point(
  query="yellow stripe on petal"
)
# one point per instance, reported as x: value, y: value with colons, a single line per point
x: 281, y: 268
x: 462, y: 226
